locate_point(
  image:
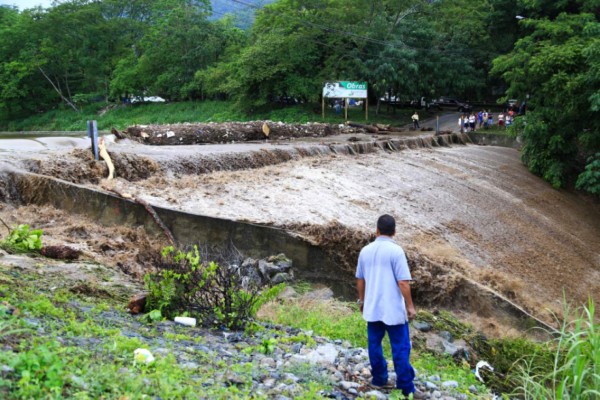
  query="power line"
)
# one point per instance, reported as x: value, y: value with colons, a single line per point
x: 348, y: 33
x: 385, y: 57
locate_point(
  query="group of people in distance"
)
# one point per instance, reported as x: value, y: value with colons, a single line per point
x: 485, y: 119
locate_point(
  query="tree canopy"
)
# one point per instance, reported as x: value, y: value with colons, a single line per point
x: 555, y: 67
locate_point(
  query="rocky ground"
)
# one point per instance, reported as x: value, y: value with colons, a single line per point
x: 273, y: 362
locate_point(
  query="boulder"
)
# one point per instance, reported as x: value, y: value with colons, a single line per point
x: 422, y: 326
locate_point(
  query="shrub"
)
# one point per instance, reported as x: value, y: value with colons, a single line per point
x: 589, y: 180
x: 22, y: 240
x: 210, y: 291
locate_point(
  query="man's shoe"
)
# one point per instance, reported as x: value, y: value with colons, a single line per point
x: 387, y: 386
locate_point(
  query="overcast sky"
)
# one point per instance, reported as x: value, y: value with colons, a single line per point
x: 23, y: 4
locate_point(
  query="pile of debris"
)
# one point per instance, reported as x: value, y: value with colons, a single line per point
x: 207, y: 133
x: 231, y: 132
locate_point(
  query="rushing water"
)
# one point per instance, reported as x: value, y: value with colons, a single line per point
x: 474, y: 210
x: 18, y: 142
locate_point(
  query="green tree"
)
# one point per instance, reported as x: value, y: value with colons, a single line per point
x: 179, y: 41
x: 556, y: 68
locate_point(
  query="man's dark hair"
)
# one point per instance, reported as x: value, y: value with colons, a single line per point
x: 386, y: 224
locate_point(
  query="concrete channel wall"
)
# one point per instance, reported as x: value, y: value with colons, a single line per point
x: 311, y: 262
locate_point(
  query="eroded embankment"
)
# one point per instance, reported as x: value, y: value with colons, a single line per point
x: 79, y: 165
x: 473, y: 214
x: 324, y: 254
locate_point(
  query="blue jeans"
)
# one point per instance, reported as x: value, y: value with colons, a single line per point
x: 400, y: 341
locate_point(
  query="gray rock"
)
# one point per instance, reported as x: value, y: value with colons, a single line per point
x: 281, y: 277
x: 267, y: 269
x: 325, y: 353
x: 296, y: 348
x: 473, y: 389
x: 430, y: 386
x: 281, y: 261
x: 450, y: 384
x: 161, y: 351
x: 439, y: 345
x: 290, y: 378
x: 319, y: 294
x: 190, y: 365
x: 202, y: 349
x: 450, y: 348
x: 347, y: 385
x: 288, y: 293
x: 275, y: 375
x: 422, y: 326
x: 447, y: 336
x: 251, y: 276
x: 436, y: 394
x: 233, y: 379
x: 462, y: 396
x: 268, y: 362
x: 269, y: 382
x: 338, y: 376
x: 435, y: 378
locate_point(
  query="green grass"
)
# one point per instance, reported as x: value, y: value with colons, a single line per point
x: 575, y: 368
x: 121, y: 116
x: 54, y: 349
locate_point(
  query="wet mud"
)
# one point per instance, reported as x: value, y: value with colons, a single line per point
x: 130, y: 249
x: 464, y: 212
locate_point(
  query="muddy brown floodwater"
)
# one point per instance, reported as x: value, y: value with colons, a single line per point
x: 474, y: 208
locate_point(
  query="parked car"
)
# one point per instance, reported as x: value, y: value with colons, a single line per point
x: 451, y: 103
x: 399, y: 101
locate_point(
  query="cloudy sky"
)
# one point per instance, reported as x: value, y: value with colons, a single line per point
x: 23, y: 4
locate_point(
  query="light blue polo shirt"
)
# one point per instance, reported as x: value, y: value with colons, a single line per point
x: 382, y: 264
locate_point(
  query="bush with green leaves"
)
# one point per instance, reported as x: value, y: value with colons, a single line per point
x: 589, y: 180
x: 211, y: 291
x: 21, y: 239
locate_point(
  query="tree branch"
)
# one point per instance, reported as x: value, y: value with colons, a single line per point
x: 58, y: 91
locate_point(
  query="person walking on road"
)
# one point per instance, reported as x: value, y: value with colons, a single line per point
x: 384, y: 298
x: 415, y: 120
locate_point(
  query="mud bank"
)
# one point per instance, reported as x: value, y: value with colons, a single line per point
x: 135, y: 162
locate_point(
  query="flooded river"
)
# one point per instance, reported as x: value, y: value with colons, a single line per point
x: 475, y: 209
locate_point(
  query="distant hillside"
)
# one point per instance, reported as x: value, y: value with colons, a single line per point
x: 242, y: 10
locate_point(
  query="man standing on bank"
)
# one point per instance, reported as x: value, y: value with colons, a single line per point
x: 385, y: 300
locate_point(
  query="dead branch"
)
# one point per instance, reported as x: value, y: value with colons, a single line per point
x: 58, y: 91
x: 4, y: 223
x: 150, y: 211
